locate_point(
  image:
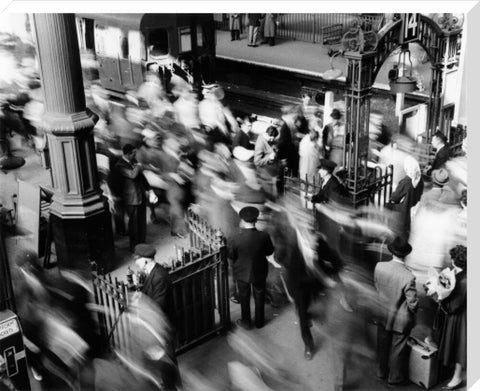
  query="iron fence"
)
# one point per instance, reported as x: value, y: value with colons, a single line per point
x: 376, y: 192
x: 199, y: 290
x: 317, y: 28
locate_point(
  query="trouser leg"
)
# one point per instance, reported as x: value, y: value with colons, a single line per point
x: 384, y: 340
x: 255, y: 35
x: 244, y: 293
x: 132, y: 211
x: 250, y: 35
x: 259, y: 297
x: 237, y: 35
x: 119, y: 217
x: 142, y: 223
x: 398, y: 358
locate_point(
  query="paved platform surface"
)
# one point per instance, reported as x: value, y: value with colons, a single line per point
x: 311, y: 58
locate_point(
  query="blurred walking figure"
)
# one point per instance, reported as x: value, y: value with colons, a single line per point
x: 395, y: 285
x: 234, y: 23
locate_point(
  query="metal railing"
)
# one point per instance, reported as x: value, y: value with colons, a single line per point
x: 316, y: 28
x: 376, y: 192
x: 199, y: 290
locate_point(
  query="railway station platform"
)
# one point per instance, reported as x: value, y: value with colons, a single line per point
x: 309, y: 58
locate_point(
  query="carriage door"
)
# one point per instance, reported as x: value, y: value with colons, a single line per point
x: 124, y: 61
x: 107, y: 48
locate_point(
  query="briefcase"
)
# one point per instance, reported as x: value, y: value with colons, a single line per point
x: 423, y: 365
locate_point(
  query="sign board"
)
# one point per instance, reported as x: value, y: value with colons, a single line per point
x: 410, y: 29
x: 8, y: 328
x: 12, y: 351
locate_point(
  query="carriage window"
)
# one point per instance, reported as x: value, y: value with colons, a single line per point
x: 158, y: 42
x: 123, y: 45
x: 199, y: 35
x: 185, y: 38
x: 81, y: 33
x: 136, y: 45
x: 100, y: 33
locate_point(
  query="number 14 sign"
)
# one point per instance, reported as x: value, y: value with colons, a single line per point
x: 410, y: 27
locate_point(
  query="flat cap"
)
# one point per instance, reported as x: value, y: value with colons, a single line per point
x: 145, y: 250
x: 327, y: 164
x: 249, y: 214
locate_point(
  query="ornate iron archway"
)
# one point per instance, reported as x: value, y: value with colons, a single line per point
x: 363, y: 64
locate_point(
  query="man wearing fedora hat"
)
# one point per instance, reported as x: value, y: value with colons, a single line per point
x: 440, y: 190
x: 395, y: 285
x: 330, y: 188
x: 249, y: 251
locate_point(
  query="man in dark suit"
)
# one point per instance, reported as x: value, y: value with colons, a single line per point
x: 395, y: 285
x: 132, y: 187
x: 249, y: 251
x: 442, y: 154
x: 157, y: 284
x: 330, y: 189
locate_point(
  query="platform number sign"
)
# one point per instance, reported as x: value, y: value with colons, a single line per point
x: 410, y: 27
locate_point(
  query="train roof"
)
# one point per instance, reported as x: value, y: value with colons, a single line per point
x: 145, y: 21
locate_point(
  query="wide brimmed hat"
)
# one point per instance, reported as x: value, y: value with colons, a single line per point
x: 400, y: 247
x: 440, y: 176
x: 327, y: 164
x: 249, y: 214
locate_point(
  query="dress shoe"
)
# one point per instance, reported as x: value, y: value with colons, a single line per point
x: 177, y: 235
x: 399, y: 384
x: 454, y: 386
x: 308, y: 354
x: 243, y: 325
x: 234, y: 299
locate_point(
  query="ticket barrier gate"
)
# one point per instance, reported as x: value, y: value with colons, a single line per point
x: 13, y: 362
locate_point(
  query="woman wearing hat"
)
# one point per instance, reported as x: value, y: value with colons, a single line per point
x: 452, y: 318
x: 406, y: 196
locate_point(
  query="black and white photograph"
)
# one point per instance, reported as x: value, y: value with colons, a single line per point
x: 195, y: 201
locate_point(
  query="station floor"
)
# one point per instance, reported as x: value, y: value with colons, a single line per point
x: 280, y: 337
x: 312, y: 58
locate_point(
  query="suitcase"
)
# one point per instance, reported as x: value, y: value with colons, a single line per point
x: 423, y: 364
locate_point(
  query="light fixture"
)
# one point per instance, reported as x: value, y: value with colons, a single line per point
x: 402, y: 83
x: 333, y: 73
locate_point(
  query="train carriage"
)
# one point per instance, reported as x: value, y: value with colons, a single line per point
x: 127, y: 45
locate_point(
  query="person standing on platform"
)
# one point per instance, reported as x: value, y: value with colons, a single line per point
x: 133, y: 186
x: 333, y: 138
x: 249, y: 251
x: 330, y: 188
x: 234, y: 24
x: 395, y: 285
x: 157, y: 284
x: 241, y: 138
x: 405, y: 197
x: 442, y: 154
x: 269, y: 30
x: 452, y: 318
x: 253, y: 26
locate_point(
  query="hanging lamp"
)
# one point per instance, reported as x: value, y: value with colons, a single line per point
x: 403, y: 83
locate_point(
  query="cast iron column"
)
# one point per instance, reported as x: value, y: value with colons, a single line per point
x: 357, y: 119
x: 81, y: 224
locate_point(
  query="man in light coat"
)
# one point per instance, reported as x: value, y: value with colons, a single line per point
x: 395, y: 284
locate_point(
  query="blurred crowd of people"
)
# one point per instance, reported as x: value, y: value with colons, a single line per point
x: 163, y: 150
